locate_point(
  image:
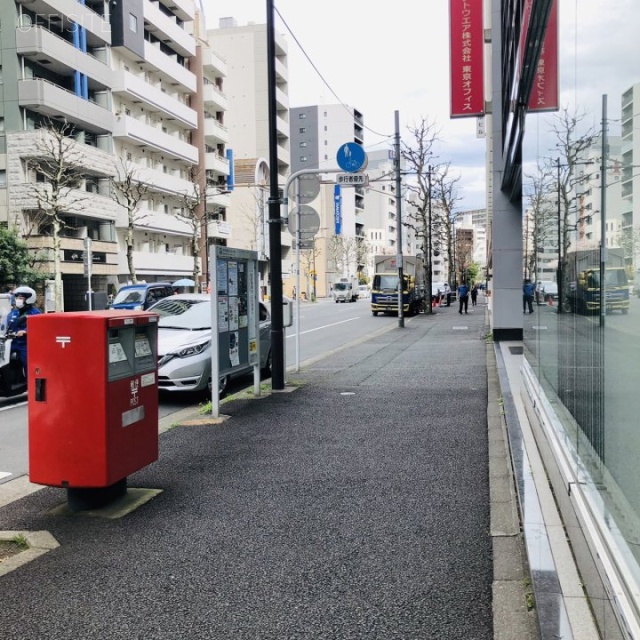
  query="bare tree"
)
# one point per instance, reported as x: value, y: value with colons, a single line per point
x: 193, y: 214
x: 343, y: 254
x: 58, y: 168
x: 445, y: 196
x: 571, y: 145
x: 419, y: 156
x: 543, y: 214
x: 128, y: 191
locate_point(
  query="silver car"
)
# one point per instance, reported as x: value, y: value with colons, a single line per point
x: 184, y: 343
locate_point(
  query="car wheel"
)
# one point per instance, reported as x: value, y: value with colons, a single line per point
x: 223, y: 383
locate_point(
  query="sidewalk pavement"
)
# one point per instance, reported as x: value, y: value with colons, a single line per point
x: 374, y: 501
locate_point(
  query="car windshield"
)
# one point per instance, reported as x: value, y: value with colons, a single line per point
x: 340, y: 286
x: 178, y: 313
x: 129, y: 296
x: 385, y: 282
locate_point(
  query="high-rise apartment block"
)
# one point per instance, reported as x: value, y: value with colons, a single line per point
x: 141, y: 94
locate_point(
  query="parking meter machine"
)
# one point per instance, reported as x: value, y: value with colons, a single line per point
x: 93, y: 397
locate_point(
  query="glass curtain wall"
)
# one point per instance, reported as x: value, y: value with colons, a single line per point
x: 581, y: 208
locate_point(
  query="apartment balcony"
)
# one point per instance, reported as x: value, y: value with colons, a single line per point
x: 184, y: 9
x: 215, y: 162
x: 159, y: 181
x: 32, y: 144
x: 166, y: 28
x: 73, y: 248
x: 44, y: 47
x: 155, y: 101
x: 156, y: 222
x: 99, y: 30
x: 161, y: 264
x: 282, y: 73
x: 212, y: 62
x: 75, y: 202
x: 214, y: 132
x: 144, y: 135
x: 219, y: 229
x: 213, y: 97
x: 169, y: 69
x: 51, y: 100
x: 282, y: 99
x: 217, y: 199
x: 282, y: 127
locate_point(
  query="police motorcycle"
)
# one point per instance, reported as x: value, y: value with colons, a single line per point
x: 12, y: 380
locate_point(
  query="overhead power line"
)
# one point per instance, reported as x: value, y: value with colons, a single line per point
x: 306, y: 55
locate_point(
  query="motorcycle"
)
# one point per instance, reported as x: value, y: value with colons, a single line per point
x: 12, y: 378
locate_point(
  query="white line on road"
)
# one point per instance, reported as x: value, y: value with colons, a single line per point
x: 324, y: 326
x: 13, y: 406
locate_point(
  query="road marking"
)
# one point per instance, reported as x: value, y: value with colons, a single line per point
x: 13, y: 406
x: 5, y: 474
x: 324, y: 326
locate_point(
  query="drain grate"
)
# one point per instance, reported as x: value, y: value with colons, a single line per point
x: 516, y: 351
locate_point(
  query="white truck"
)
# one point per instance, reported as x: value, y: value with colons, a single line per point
x: 345, y: 290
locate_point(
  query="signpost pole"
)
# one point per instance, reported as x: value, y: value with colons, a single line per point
x: 88, y: 259
x: 399, y: 221
x: 298, y: 240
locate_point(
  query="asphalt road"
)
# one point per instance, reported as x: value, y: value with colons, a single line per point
x: 323, y: 327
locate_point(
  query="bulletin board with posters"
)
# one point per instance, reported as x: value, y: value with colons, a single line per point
x: 235, y: 313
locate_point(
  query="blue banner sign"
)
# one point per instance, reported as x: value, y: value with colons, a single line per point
x: 337, y: 204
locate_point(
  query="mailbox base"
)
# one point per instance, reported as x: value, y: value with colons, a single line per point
x: 86, y: 499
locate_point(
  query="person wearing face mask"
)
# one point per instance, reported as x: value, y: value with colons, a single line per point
x: 25, y: 298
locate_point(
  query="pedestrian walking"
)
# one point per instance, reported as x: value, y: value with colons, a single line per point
x: 474, y: 295
x: 463, y: 297
x: 528, y: 291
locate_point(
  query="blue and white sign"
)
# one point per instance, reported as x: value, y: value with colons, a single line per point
x: 352, y: 157
x: 337, y: 209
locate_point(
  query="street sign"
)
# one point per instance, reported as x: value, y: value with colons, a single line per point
x: 351, y: 157
x: 353, y: 179
x: 305, y: 245
x: 309, y: 221
x: 309, y: 188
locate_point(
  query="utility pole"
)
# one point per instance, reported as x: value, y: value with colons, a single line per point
x: 399, y: 221
x: 429, y: 246
x: 275, y: 221
x: 603, y: 215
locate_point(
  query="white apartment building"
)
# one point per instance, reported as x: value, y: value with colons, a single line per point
x: 381, y: 210
x: 126, y: 77
x: 244, y: 50
x: 317, y: 133
x: 630, y: 155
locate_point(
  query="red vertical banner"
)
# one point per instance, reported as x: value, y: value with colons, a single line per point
x: 467, y: 57
x: 545, y: 92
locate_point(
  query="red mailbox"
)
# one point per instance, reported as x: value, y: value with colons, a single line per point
x: 93, y: 397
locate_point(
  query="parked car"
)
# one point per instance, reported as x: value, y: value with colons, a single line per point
x: 364, y: 291
x: 184, y: 343
x: 140, y: 296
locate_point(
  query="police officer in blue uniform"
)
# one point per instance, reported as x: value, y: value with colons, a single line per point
x: 25, y: 298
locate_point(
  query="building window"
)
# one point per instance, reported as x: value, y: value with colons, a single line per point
x: 303, y: 144
x: 326, y: 128
x: 303, y: 158
x: 133, y: 23
x: 3, y: 178
x: 303, y: 129
x: 302, y: 116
